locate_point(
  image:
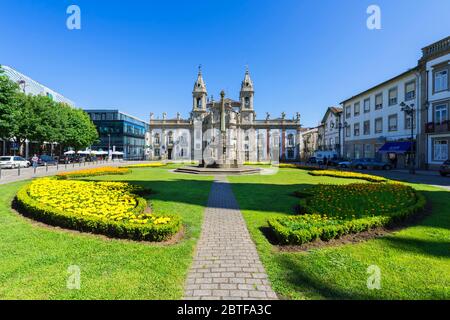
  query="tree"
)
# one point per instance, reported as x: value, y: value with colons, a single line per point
x: 9, y: 91
x: 80, y: 132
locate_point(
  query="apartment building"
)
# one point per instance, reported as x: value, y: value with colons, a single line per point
x: 435, y: 103
x: 330, y: 131
x: 375, y: 125
x: 309, y: 143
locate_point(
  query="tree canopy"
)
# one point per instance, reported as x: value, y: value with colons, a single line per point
x: 39, y: 119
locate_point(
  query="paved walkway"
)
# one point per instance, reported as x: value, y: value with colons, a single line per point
x: 12, y: 175
x: 226, y: 264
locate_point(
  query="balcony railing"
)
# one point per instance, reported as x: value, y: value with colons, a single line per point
x: 435, y: 127
x: 437, y: 47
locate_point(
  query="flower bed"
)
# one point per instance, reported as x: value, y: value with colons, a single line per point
x: 93, y: 172
x: 298, y: 166
x: 109, y: 208
x: 333, y: 210
x: 348, y: 175
x: 146, y: 165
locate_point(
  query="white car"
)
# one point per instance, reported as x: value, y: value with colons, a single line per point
x: 13, y: 162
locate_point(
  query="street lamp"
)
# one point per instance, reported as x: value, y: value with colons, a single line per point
x: 409, y: 111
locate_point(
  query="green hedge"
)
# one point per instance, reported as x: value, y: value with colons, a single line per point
x: 148, y: 232
x: 337, y: 228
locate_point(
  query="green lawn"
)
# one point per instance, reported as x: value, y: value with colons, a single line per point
x: 414, y: 262
x: 34, y: 259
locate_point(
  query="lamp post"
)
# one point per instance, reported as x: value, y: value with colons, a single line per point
x: 109, y: 146
x: 409, y: 111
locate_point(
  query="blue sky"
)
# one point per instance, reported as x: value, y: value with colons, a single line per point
x: 142, y: 56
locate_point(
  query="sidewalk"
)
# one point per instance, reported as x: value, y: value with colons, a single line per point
x: 12, y: 175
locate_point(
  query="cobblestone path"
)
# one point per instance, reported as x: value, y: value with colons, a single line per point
x: 226, y: 264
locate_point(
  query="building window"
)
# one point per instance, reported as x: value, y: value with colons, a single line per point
x: 157, y: 153
x: 410, y: 90
x: 170, y: 138
x: 379, y: 125
x: 393, y: 96
x: 357, y: 151
x: 410, y: 120
x: 356, y: 109
x: 393, y: 121
x: 348, y: 112
x: 157, y: 139
x: 290, y: 140
x: 367, y: 127
x: 379, y: 101
x: 368, y: 151
x: 440, y: 150
x: 356, y: 129
x: 441, y: 80
x: 440, y: 114
x: 347, y: 131
x: 367, y: 105
x: 247, y: 102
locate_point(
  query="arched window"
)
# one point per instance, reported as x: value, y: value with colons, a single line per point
x: 247, y: 102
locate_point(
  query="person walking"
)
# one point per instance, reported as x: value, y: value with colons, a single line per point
x: 34, y: 161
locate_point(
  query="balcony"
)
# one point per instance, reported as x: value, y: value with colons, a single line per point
x: 434, y: 127
x: 436, y: 48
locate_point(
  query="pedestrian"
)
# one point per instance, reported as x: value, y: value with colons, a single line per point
x: 34, y: 161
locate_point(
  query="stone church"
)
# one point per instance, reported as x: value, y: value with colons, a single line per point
x: 224, y: 132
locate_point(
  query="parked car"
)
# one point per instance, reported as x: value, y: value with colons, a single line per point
x: 47, y: 160
x: 445, y: 168
x: 334, y: 162
x: 345, y: 164
x: 13, y: 162
x: 370, y: 163
x: 312, y: 160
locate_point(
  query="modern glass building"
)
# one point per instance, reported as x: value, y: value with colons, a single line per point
x: 120, y: 132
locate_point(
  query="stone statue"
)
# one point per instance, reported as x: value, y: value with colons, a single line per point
x: 297, y: 116
x: 267, y: 116
x: 152, y: 115
x: 164, y: 115
x: 178, y: 116
x: 283, y: 115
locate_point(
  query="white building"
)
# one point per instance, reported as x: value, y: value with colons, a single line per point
x: 330, y: 131
x: 374, y: 125
x: 435, y: 67
x: 30, y: 86
x: 225, y: 131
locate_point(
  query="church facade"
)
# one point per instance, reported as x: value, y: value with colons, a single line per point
x: 224, y: 132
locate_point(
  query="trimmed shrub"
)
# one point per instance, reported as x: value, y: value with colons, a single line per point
x: 316, y: 224
x: 137, y: 226
x: 348, y: 175
x: 92, y: 172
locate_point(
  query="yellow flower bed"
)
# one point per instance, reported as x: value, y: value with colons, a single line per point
x: 110, y: 208
x: 298, y: 166
x: 348, y: 175
x: 92, y: 172
x: 146, y: 165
